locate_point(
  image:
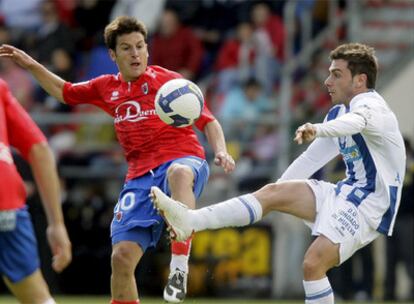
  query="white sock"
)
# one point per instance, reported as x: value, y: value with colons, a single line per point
x: 318, y: 292
x: 49, y: 301
x: 180, y: 262
x: 238, y: 211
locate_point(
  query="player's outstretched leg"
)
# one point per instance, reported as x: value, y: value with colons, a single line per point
x: 175, y: 214
x: 235, y: 212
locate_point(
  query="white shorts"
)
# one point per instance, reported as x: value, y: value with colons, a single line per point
x: 339, y: 220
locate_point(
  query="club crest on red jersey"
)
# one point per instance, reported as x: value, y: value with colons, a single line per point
x: 144, y: 88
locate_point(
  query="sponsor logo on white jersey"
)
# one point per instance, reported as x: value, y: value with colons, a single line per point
x: 131, y: 111
x: 351, y: 153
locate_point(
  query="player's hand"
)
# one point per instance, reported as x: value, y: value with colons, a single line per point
x: 306, y: 132
x: 17, y: 55
x: 60, y: 245
x: 225, y: 160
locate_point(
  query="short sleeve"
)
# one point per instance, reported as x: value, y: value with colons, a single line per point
x: 23, y: 133
x: 82, y: 92
x: 205, y: 118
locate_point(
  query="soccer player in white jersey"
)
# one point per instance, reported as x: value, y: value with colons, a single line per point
x: 346, y: 216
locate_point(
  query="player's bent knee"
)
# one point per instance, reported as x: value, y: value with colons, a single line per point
x: 314, y: 265
x: 179, y: 173
x: 269, y: 190
x: 311, y: 266
x: 271, y: 197
x: 123, y: 260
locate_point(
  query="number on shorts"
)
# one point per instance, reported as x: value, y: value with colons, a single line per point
x: 126, y: 202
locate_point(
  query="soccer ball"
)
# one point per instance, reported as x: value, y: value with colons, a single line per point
x: 179, y: 103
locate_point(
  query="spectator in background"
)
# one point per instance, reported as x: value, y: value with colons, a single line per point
x: 20, y: 83
x: 242, y: 107
x: 269, y: 40
x: 148, y: 11
x: 90, y: 17
x: 53, y: 45
x: 21, y: 16
x: 212, y: 21
x: 235, y: 58
x: 400, y: 247
x: 260, y: 155
x: 19, y: 261
x: 52, y: 34
x: 271, y: 25
x: 176, y: 47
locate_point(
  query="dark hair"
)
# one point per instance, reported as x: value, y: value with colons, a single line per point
x: 120, y: 26
x: 361, y: 60
x: 251, y: 82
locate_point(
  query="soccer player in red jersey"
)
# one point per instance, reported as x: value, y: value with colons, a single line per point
x: 157, y: 154
x: 19, y: 261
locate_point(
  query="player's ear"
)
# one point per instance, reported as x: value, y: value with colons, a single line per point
x: 112, y: 54
x: 362, y: 80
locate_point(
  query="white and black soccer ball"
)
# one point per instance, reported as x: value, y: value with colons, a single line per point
x: 179, y: 102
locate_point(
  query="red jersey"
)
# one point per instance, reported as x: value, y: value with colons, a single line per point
x: 147, y: 141
x: 18, y: 130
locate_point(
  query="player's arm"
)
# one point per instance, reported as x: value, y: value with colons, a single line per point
x: 215, y: 137
x: 318, y: 154
x: 49, y: 81
x: 44, y: 170
x: 27, y: 138
x: 348, y: 124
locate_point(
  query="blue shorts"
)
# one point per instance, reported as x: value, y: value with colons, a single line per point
x: 18, y: 249
x: 135, y: 218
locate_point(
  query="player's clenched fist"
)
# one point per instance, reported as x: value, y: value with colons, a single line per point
x: 306, y: 132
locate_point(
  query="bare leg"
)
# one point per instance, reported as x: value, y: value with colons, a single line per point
x: 321, y: 256
x: 181, y: 182
x: 32, y: 289
x: 125, y: 258
x: 292, y: 197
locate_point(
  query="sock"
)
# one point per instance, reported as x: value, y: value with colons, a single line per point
x: 180, y: 253
x: 318, y: 292
x: 124, y: 302
x: 235, y: 212
x: 49, y: 301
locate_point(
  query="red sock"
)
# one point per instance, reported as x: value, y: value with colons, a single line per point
x: 124, y: 302
x: 181, y: 248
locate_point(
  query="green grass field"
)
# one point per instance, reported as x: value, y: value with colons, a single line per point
x: 105, y: 300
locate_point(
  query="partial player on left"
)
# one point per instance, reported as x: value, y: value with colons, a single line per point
x: 19, y: 261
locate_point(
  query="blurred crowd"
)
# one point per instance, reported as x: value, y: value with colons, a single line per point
x: 233, y: 49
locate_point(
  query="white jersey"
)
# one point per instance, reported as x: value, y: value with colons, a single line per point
x: 367, y: 136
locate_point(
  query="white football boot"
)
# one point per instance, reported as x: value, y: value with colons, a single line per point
x: 175, y: 214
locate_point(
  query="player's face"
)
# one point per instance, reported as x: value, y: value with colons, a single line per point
x: 342, y: 87
x: 130, y: 55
